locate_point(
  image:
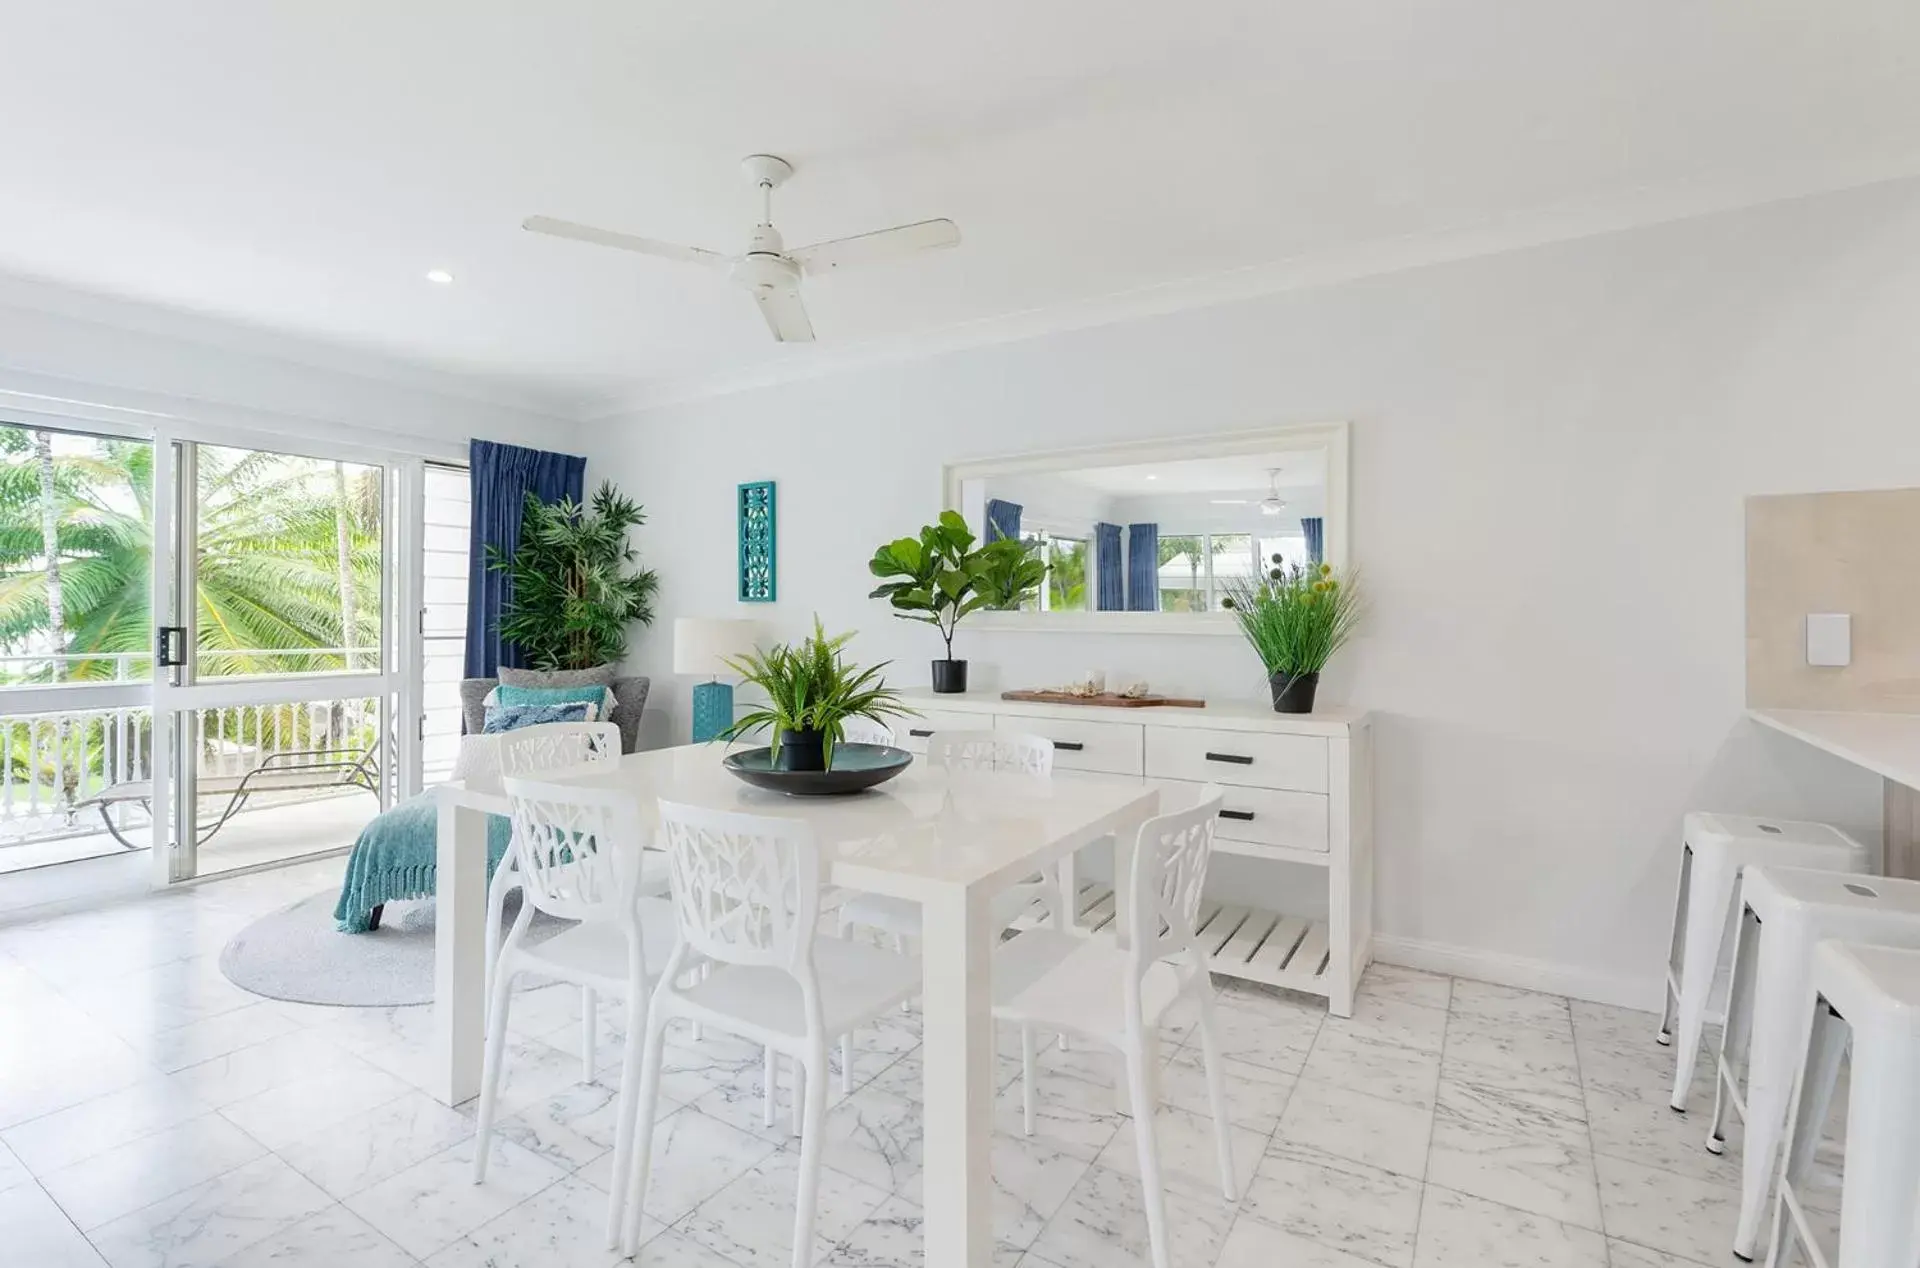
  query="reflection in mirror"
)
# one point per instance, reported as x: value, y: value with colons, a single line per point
x: 1169, y: 536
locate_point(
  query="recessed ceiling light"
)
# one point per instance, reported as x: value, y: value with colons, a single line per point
x: 1153, y: 477
x: 440, y: 277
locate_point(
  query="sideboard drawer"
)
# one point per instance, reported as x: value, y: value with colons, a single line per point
x: 911, y: 733
x: 1256, y: 816
x: 1113, y: 747
x: 1251, y: 758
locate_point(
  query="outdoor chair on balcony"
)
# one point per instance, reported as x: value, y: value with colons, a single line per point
x: 303, y: 770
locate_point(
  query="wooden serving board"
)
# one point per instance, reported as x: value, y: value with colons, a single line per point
x: 1104, y: 701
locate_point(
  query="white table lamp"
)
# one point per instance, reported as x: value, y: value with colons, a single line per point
x: 701, y: 648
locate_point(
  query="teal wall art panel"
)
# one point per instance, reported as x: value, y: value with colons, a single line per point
x: 757, y: 542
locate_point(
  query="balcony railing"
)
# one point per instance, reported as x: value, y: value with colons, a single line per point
x: 52, y: 762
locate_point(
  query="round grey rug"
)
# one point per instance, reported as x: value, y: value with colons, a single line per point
x: 297, y: 955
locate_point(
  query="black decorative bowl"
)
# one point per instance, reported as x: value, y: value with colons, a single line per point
x: 855, y: 767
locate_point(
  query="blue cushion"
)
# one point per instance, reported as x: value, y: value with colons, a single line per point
x: 511, y: 717
x: 592, y: 695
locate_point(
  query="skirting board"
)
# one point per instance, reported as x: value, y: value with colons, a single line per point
x: 1518, y: 971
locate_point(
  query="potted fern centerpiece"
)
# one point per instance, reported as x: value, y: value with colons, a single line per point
x: 811, y: 691
x: 570, y: 592
x: 1295, y: 619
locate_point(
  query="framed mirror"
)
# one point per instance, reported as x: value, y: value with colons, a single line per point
x: 1149, y: 536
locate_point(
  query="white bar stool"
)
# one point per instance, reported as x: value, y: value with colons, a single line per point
x: 1874, y: 993
x: 1713, y: 850
x: 1785, y: 912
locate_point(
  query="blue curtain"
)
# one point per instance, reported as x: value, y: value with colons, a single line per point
x: 1003, y: 519
x: 500, y: 477
x: 1109, y: 592
x: 1143, y: 567
x: 1316, y: 538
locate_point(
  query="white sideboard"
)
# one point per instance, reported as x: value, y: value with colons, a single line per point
x: 1299, y: 789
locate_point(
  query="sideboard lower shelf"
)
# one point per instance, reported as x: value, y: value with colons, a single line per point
x: 1249, y: 943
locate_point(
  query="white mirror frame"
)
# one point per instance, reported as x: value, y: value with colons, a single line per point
x: 1331, y: 437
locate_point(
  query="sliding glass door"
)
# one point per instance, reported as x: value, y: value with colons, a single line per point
x: 76, y: 663
x: 276, y: 683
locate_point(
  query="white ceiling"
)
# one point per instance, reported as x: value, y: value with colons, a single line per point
x: 300, y: 167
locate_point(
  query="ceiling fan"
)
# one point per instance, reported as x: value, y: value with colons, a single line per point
x: 1271, y: 504
x: 766, y: 268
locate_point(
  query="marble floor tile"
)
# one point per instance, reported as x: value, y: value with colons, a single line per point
x: 563, y: 1224
x: 1388, y: 1021
x: 72, y: 1135
x: 1256, y: 1095
x: 37, y: 1233
x: 667, y: 1250
x: 283, y: 1114
x: 1031, y: 1181
x: 1509, y: 1005
x: 1102, y: 1223
x: 1627, y: 1255
x: 1650, y: 1207
x: 1392, y: 982
x: 332, y: 1238
x: 693, y: 1158
x: 12, y: 1170
x: 262, y: 1067
x: 44, y: 1083
x: 1189, y: 1153
x: 213, y: 1220
x: 1331, y: 1121
x: 1648, y: 1131
x: 750, y: 1220
x: 1357, y: 1062
x: 143, y: 1171
x: 1515, y: 1150
x: 358, y: 1152
x: 1349, y: 1206
x: 433, y: 1202
x: 1461, y: 1231
x: 877, y: 1138
x: 199, y: 1041
x: 1544, y: 1055
x: 1267, y: 1033
x: 572, y: 1127
x: 1253, y: 1244
x: 1071, y: 1115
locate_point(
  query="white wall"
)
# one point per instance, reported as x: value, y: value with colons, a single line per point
x: 1590, y: 414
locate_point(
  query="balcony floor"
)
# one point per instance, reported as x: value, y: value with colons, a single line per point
x: 258, y: 835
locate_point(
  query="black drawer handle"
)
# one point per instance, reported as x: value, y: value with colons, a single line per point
x: 1244, y: 816
x: 1235, y: 758
x: 917, y: 733
x: 1068, y: 746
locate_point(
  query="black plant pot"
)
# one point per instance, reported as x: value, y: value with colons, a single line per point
x: 1293, y: 693
x: 801, y: 750
x: 950, y: 676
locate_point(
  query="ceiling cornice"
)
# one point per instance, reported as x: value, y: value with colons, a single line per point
x: 1633, y: 209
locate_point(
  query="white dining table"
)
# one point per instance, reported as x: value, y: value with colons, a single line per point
x: 948, y: 841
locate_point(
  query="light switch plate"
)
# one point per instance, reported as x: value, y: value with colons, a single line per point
x: 1829, y: 639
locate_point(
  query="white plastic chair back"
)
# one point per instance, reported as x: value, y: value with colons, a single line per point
x: 746, y: 889
x: 865, y: 731
x: 991, y: 750
x: 557, y: 745
x: 1170, y: 859
x: 578, y: 848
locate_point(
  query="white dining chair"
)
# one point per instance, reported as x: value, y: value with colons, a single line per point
x: 865, y: 731
x: 1115, y: 996
x: 529, y: 751
x: 746, y: 893
x: 960, y: 751
x: 579, y: 853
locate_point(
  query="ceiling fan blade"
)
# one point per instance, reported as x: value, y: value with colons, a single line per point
x: 824, y: 257
x: 786, y: 315
x: 622, y: 241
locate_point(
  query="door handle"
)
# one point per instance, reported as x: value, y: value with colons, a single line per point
x: 1235, y: 759
x: 1244, y: 816
x: 170, y: 646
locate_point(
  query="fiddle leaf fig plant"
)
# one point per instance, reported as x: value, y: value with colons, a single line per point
x: 941, y: 577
